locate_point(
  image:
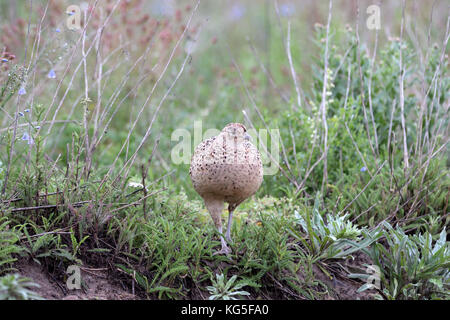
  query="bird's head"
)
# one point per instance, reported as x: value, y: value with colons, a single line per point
x: 236, y: 130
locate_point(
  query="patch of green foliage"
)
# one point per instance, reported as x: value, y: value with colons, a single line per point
x: 223, y: 289
x: 15, y: 287
x: 411, y: 266
x: 9, y: 245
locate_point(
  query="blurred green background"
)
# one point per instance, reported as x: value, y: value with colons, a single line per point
x: 210, y: 89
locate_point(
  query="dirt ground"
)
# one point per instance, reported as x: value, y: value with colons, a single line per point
x: 95, y: 285
x: 342, y: 287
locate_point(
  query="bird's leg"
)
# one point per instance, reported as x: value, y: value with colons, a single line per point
x: 231, y: 207
x: 215, y: 207
x: 225, y: 249
x: 230, y: 222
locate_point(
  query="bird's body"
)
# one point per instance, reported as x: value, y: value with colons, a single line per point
x: 226, y: 168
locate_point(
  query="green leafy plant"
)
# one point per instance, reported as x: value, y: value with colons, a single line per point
x: 335, y: 237
x: 9, y: 245
x: 411, y: 266
x: 15, y: 287
x: 47, y: 246
x: 223, y: 289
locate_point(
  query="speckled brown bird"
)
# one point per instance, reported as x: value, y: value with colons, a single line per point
x: 226, y: 168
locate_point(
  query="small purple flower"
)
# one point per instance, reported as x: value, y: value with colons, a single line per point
x: 287, y: 9
x: 4, y: 60
x: 363, y: 169
x: 26, y: 137
x: 58, y: 30
x: 51, y: 74
x: 22, y: 91
x: 20, y: 114
x: 27, y: 110
x: 38, y: 127
x: 237, y: 11
x: 70, y: 13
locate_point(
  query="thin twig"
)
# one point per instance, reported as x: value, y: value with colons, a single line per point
x: 291, y: 66
x: 323, y: 107
x: 402, y: 95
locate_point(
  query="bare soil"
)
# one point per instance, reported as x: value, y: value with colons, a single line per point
x: 99, y: 284
x: 95, y: 284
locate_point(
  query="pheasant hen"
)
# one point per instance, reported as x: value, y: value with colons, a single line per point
x: 226, y: 168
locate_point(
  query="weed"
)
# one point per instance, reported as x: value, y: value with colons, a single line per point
x: 223, y: 289
x: 411, y: 266
x: 15, y: 287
